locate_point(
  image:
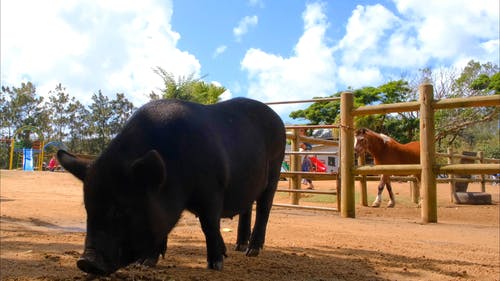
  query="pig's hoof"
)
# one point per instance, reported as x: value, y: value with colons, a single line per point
x: 252, y: 252
x: 241, y: 247
x: 90, y: 267
x: 150, y: 262
x: 216, y: 265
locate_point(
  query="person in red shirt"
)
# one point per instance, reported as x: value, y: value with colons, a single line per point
x: 52, y: 164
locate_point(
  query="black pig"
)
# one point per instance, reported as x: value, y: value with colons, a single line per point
x: 171, y: 156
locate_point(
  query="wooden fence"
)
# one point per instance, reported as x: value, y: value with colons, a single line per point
x: 428, y: 168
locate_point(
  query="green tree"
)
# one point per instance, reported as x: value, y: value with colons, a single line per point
x: 456, y: 127
x: 5, y: 131
x: 494, y: 83
x: 122, y: 109
x: 402, y: 126
x: 319, y: 112
x: 101, y: 112
x: 106, y: 118
x: 485, y: 138
x: 58, y: 106
x: 5, y: 118
x: 79, y: 127
x: 187, y: 88
x: 475, y: 79
x: 22, y: 106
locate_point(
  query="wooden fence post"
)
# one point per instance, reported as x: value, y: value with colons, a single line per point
x: 339, y: 191
x: 348, y: 208
x: 11, y: 154
x: 427, y: 154
x: 415, y: 191
x: 480, y: 154
x: 295, y: 166
x: 451, y: 176
x: 362, y: 182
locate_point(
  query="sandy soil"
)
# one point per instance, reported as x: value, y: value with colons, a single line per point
x: 43, y: 224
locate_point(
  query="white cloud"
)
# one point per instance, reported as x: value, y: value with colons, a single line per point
x: 357, y: 77
x: 364, y: 31
x: 450, y: 30
x: 375, y: 38
x: 378, y: 45
x: 308, y: 72
x: 243, y: 26
x: 87, y: 46
x: 226, y: 95
x: 256, y: 3
x: 420, y: 34
x: 219, y: 50
x: 491, y: 46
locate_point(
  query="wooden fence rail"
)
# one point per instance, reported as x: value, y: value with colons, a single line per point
x: 412, y: 169
x: 438, y: 104
x: 303, y: 101
x: 461, y: 156
x: 310, y: 175
x: 414, y: 179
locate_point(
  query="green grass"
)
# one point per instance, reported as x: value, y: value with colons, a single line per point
x: 331, y: 199
x: 319, y: 198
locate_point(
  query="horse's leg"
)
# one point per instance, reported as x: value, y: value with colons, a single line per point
x: 377, y: 201
x: 392, y: 200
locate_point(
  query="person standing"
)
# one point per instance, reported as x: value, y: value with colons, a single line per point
x: 307, y: 165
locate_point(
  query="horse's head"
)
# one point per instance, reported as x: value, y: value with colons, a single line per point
x: 369, y: 141
x: 360, y: 141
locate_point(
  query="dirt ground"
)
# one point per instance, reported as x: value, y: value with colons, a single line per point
x: 43, y: 228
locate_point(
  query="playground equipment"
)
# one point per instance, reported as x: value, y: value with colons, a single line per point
x: 25, y: 153
x: 56, y: 144
x: 320, y: 167
x: 49, y: 150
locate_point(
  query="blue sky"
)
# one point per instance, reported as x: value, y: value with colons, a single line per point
x: 263, y: 49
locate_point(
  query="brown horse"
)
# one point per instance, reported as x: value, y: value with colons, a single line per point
x: 386, y: 151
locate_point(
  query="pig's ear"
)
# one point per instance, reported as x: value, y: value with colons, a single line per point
x: 77, y: 167
x: 149, y: 169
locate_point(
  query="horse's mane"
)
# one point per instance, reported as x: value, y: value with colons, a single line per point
x: 384, y: 137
